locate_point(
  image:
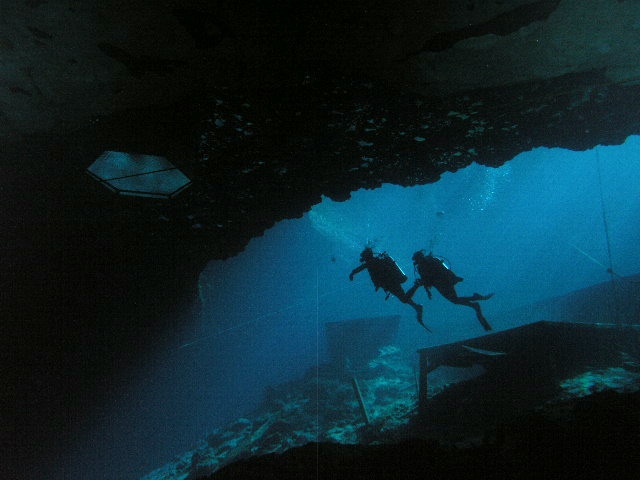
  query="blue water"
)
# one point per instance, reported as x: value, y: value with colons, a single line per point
x: 529, y: 230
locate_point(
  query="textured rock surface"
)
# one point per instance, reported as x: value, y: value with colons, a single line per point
x: 321, y: 407
x: 67, y: 62
x: 563, y: 37
x: 589, y: 438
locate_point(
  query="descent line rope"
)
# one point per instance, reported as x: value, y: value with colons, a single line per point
x: 604, y: 213
x: 605, y: 223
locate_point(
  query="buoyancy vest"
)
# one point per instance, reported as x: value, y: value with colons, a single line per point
x: 433, y: 271
x: 385, y: 272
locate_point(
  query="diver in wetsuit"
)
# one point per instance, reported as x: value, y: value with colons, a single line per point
x: 434, y: 273
x: 386, y: 274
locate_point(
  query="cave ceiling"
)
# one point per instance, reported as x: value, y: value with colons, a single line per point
x: 268, y: 109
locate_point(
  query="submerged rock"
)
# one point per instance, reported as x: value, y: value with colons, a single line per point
x: 319, y: 414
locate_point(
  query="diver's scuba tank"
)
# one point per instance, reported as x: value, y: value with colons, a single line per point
x: 446, y: 269
x: 445, y: 263
x: 434, y: 268
x: 393, y: 272
x: 385, y: 272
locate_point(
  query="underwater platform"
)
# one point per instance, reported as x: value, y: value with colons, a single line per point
x: 530, y: 395
x: 523, y: 367
x: 544, y: 393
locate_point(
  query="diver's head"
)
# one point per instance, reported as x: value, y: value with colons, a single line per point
x: 419, y: 255
x: 367, y: 254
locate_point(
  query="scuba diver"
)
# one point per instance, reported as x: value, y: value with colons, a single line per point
x: 434, y: 273
x: 386, y: 274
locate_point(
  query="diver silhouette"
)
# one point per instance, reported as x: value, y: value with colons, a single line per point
x: 434, y: 273
x: 386, y: 274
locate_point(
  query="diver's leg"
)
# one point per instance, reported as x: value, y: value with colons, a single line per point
x: 451, y: 295
x: 449, y: 292
x: 476, y: 297
x: 411, y: 292
x: 399, y: 292
x: 463, y: 300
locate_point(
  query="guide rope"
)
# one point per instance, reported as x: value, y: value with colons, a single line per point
x: 605, y: 223
x: 615, y: 286
x: 614, y: 297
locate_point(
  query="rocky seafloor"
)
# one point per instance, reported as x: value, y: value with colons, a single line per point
x: 320, y: 415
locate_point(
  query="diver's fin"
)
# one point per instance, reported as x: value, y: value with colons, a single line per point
x: 419, y: 310
x: 424, y: 326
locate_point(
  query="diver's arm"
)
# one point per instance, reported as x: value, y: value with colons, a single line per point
x: 357, y: 270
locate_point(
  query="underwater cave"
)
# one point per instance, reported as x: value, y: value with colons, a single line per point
x: 547, y: 223
x: 177, y: 324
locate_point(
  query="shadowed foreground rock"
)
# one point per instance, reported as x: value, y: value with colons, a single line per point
x: 591, y: 438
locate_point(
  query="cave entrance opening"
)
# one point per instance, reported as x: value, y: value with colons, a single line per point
x: 508, y: 230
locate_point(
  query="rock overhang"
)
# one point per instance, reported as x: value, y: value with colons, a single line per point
x: 257, y: 159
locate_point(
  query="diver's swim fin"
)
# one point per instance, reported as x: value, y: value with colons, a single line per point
x: 424, y: 326
x: 419, y: 310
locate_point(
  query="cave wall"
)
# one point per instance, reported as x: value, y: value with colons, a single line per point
x: 402, y: 91
x: 84, y: 304
x: 542, y: 40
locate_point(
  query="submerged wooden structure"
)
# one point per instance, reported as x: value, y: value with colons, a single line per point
x: 524, y: 365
